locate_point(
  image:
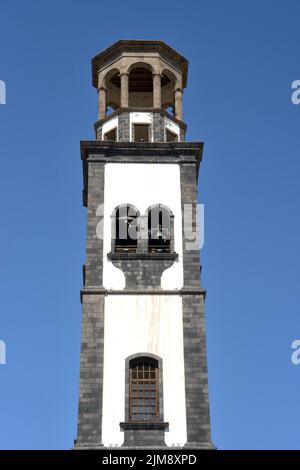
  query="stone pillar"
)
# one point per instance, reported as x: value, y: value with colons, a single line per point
x: 123, y: 127
x: 142, y: 242
x: 124, y: 90
x: 101, y: 103
x: 194, y: 337
x: 158, y: 128
x: 156, y: 90
x: 178, y: 103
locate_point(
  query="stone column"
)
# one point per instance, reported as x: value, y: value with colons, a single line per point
x: 124, y: 90
x: 101, y: 103
x: 178, y: 103
x: 156, y: 90
x: 142, y: 242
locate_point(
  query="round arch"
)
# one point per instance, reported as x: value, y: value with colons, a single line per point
x: 160, y: 206
x: 171, y: 77
x: 124, y: 228
x: 124, y: 206
x: 141, y: 65
x: 113, y: 72
x: 160, y: 223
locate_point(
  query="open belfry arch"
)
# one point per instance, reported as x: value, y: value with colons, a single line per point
x: 143, y: 368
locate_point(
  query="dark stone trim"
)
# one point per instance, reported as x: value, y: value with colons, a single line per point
x: 83, y: 273
x: 180, y: 160
x: 94, y: 243
x: 158, y: 127
x: 204, y: 446
x: 196, y: 374
x: 87, y: 290
x: 123, y: 127
x: 191, y: 258
x: 144, y: 439
x: 149, y: 291
x: 89, y: 427
x: 110, y: 147
x: 142, y: 274
x: 144, y: 426
x: 128, y: 110
x: 194, y: 337
x: 142, y: 256
x: 84, y: 197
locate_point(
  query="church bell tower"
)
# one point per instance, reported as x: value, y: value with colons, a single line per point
x: 143, y: 370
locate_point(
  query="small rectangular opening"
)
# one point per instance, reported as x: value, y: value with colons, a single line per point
x: 141, y: 132
x: 111, y: 135
x: 171, y: 136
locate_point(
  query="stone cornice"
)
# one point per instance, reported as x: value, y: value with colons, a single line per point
x: 142, y: 256
x: 135, y: 425
x: 142, y: 149
x: 180, y: 292
x: 128, y: 45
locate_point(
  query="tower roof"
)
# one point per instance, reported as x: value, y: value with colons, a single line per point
x: 133, y: 46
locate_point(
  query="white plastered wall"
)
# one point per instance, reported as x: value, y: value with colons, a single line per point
x: 173, y: 127
x: 142, y: 185
x: 109, y: 125
x: 141, y: 118
x: 143, y: 324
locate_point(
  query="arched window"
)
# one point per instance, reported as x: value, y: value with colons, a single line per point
x: 160, y: 230
x: 124, y: 229
x: 143, y: 390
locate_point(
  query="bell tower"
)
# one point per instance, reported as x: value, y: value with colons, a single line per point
x: 143, y: 371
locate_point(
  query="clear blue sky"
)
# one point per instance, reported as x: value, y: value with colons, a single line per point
x: 243, y: 58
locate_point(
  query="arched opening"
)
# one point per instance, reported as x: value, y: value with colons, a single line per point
x: 113, y: 90
x: 124, y: 229
x: 160, y: 229
x: 169, y: 107
x: 144, y: 390
x: 168, y: 82
x: 111, y: 107
x: 140, y: 87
